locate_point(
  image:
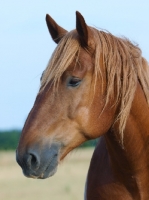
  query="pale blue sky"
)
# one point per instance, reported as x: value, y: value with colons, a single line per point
x: 25, y: 44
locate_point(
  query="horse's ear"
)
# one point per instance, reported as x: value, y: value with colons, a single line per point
x: 82, y: 29
x: 55, y: 30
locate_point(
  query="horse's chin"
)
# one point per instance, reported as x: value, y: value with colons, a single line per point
x: 46, y: 174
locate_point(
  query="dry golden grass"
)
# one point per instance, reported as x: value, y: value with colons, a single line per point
x: 67, y: 184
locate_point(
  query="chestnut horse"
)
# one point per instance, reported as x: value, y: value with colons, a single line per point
x: 95, y: 85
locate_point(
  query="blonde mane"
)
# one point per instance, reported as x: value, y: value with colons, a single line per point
x: 123, y: 63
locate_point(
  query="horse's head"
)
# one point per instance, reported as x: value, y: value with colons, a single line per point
x: 70, y: 106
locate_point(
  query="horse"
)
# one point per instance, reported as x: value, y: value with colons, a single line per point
x: 95, y: 85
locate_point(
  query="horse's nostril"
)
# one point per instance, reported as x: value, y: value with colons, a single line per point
x: 33, y: 161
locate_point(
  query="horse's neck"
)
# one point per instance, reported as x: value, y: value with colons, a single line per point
x: 131, y: 163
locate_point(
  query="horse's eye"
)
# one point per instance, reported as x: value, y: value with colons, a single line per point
x: 74, y: 82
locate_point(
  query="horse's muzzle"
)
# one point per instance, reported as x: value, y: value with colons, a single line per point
x: 39, y: 162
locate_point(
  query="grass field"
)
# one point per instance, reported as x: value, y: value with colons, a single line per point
x: 67, y: 184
